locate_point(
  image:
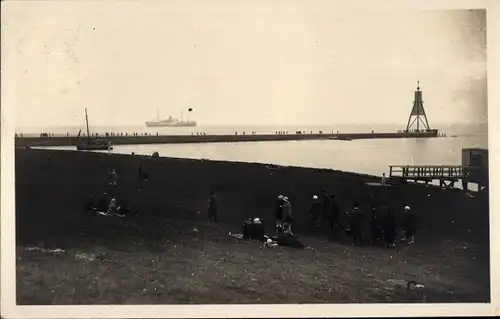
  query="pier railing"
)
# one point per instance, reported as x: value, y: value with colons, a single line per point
x: 429, y: 171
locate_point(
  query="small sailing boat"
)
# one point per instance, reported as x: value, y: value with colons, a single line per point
x: 90, y: 144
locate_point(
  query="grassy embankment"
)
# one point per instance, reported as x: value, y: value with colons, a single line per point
x: 156, y: 256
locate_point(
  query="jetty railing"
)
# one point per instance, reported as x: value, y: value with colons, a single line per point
x: 429, y: 171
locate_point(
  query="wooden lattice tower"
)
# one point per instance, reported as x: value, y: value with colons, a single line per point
x: 417, y: 116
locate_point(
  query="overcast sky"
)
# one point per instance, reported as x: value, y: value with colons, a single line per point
x: 273, y: 62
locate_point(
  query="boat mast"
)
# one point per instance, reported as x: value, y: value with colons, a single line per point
x: 87, y: 122
x: 181, y: 116
x: 157, y: 114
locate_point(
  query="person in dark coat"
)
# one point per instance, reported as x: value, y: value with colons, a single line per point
x: 288, y: 217
x: 333, y: 217
x: 278, y: 213
x: 315, y: 211
x: 256, y: 230
x: 102, y: 205
x: 389, y: 228
x: 143, y: 176
x: 89, y: 205
x: 356, y: 224
x: 212, y: 207
x: 246, y: 228
x: 327, y: 202
x: 409, y: 225
x: 374, y: 223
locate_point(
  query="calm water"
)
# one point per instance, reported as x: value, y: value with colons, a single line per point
x: 362, y: 156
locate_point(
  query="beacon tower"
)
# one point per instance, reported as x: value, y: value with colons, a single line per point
x: 417, y: 119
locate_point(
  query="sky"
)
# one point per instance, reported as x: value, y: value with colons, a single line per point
x: 239, y: 63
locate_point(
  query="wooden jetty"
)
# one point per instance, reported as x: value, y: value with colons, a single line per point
x: 474, y: 169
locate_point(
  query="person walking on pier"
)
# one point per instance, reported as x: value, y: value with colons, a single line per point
x: 278, y: 213
x: 212, y: 207
x: 409, y: 225
x: 389, y: 227
x: 315, y: 211
x: 356, y: 224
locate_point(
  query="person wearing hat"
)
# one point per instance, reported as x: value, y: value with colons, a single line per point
x: 356, y: 224
x: 287, y: 216
x: 114, y: 177
x: 315, y: 211
x: 113, y: 207
x: 409, y: 225
x: 257, y: 230
x: 278, y: 213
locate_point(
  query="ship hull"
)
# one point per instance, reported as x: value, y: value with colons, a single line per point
x: 149, y: 124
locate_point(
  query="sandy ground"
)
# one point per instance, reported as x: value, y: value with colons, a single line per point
x: 155, y: 256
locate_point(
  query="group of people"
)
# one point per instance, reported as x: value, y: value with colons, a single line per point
x: 382, y: 220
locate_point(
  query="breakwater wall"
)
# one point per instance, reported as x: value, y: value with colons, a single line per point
x: 184, y: 139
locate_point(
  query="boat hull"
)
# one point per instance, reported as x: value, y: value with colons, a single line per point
x: 92, y: 147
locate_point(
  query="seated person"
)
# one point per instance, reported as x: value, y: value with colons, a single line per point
x: 102, y: 206
x: 257, y: 230
x: 113, y: 207
x: 246, y: 228
x: 287, y: 239
x: 254, y: 230
x: 89, y: 205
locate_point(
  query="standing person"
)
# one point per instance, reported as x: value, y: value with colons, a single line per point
x: 409, y: 225
x: 287, y: 216
x: 356, y: 224
x: 333, y: 218
x: 114, y: 177
x: 383, y: 180
x: 389, y: 227
x: 142, y: 175
x: 374, y: 223
x: 212, y: 207
x: 278, y: 213
x: 327, y: 202
x: 315, y: 211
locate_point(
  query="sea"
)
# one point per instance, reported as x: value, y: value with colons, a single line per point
x: 372, y: 156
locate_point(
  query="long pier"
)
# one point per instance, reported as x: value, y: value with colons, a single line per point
x: 40, y: 141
